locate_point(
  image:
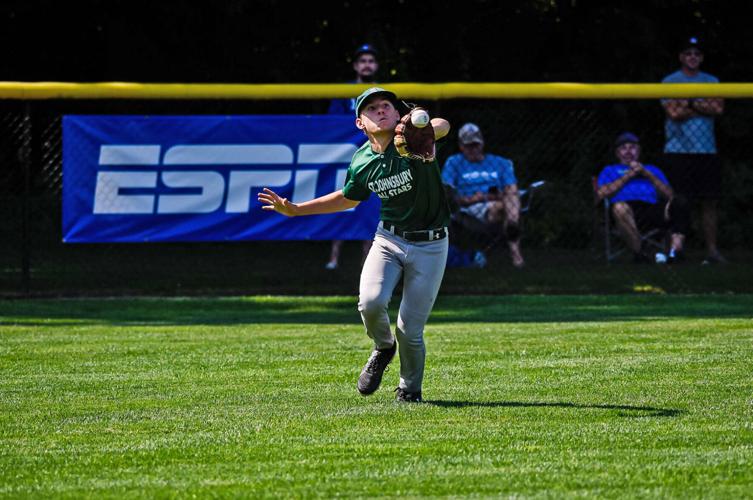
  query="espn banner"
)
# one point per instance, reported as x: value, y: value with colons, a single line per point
x: 195, y: 178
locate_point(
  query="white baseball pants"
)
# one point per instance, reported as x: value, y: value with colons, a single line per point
x: 422, y: 265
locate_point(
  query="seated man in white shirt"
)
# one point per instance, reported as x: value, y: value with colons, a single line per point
x: 486, y: 188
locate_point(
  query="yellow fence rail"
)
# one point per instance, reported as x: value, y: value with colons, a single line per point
x: 430, y: 91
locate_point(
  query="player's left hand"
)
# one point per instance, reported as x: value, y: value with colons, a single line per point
x: 272, y: 201
x: 414, y: 142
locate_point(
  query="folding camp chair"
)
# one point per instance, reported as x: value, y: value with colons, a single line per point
x: 467, y: 232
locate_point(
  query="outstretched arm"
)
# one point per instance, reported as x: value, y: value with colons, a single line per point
x: 327, y: 204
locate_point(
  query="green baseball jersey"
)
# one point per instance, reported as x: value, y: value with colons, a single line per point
x: 411, y: 191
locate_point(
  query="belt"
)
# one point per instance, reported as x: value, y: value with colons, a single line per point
x: 425, y: 235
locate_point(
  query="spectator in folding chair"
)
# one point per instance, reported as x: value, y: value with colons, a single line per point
x: 486, y: 191
x: 641, y: 198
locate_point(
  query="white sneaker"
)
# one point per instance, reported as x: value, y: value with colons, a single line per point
x: 331, y: 266
x: 479, y: 260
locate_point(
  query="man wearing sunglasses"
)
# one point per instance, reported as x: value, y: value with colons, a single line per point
x: 691, y: 161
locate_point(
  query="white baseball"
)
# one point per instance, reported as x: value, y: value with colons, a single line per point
x: 419, y: 118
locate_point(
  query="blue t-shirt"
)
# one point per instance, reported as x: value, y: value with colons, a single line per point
x: 694, y: 135
x: 638, y: 188
x: 468, y: 178
x: 343, y: 106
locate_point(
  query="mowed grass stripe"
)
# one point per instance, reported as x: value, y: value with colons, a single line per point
x: 579, y: 396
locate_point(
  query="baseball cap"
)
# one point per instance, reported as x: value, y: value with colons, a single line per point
x: 626, y: 137
x: 691, y: 43
x: 373, y: 92
x: 366, y: 48
x: 469, y: 134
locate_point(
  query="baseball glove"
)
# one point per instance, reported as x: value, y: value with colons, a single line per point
x: 413, y: 142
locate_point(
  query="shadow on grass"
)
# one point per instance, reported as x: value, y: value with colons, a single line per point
x: 343, y: 309
x: 625, y: 410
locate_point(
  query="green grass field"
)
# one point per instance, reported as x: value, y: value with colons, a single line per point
x: 526, y: 396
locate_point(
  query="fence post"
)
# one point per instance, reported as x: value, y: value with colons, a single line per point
x: 25, y: 205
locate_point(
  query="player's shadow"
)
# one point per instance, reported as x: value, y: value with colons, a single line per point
x: 625, y: 410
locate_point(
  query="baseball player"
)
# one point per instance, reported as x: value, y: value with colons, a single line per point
x: 410, y: 241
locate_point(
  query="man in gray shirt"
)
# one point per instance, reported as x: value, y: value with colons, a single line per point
x: 691, y: 161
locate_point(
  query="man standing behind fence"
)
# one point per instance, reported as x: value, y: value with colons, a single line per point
x: 691, y: 161
x: 365, y: 65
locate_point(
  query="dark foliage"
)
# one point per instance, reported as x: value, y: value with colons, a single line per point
x: 286, y: 41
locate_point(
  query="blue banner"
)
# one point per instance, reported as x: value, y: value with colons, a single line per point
x: 195, y: 178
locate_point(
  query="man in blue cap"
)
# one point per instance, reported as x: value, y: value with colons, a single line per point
x: 410, y: 243
x: 691, y: 159
x: 365, y: 65
x: 641, y: 198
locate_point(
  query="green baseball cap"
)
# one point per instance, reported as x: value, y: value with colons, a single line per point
x: 372, y: 92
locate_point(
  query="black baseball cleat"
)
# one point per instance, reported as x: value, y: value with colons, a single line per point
x: 371, y: 375
x: 404, y: 396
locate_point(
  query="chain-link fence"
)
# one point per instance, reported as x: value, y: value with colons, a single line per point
x: 569, y: 241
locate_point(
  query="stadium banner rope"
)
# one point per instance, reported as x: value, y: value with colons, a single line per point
x: 431, y: 91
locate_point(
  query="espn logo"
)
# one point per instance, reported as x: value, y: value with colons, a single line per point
x: 132, y: 180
